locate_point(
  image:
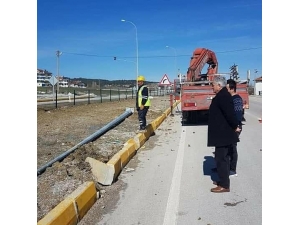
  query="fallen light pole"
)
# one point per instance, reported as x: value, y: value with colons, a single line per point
x: 128, y: 112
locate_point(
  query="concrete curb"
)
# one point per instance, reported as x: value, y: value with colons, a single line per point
x: 72, y: 209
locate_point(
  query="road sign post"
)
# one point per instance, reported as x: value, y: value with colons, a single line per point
x: 165, y: 82
x: 52, y: 80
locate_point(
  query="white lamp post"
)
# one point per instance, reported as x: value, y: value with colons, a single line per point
x: 58, y: 53
x: 137, y: 51
x: 175, y: 56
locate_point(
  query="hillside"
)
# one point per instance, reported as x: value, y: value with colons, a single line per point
x: 105, y: 83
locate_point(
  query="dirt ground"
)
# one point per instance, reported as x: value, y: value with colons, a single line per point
x: 59, y: 130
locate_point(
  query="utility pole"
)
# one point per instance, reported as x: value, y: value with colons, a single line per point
x: 175, y: 58
x: 255, y: 72
x: 137, y: 52
x: 58, y: 53
x: 248, y: 77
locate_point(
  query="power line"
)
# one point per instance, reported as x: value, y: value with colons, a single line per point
x: 156, y: 56
x: 82, y: 54
x: 240, y: 50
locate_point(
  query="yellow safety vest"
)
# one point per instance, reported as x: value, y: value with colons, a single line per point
x: 140, y: 97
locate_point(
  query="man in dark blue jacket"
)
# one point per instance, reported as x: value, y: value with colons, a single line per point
x: 222, y: 128
x: 238, y: 109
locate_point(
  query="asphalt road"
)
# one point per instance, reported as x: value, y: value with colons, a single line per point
x: 172, y: 181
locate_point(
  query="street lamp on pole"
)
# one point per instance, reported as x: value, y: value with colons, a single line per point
x: 255, y: 74
x: 175, y: 56
x: 137, y: 51
x: 58, y: 53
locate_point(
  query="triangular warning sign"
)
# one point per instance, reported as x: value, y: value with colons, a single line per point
x: 165, y: 80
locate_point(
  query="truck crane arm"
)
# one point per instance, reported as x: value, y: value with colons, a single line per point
x: 201, y: 56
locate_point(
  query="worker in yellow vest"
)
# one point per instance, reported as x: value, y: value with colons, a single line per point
x: 142, y: 102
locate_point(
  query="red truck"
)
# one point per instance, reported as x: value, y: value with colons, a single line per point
x: 196, y: 91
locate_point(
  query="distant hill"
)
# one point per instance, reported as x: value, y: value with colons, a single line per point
x: 105, y: 83
x: 91, y: 83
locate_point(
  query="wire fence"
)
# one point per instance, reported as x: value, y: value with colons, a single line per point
x: 48, y: 100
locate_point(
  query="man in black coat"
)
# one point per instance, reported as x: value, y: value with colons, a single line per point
x: 222, y: 125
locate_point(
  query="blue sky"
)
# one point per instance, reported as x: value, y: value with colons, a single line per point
x: 90, y: 33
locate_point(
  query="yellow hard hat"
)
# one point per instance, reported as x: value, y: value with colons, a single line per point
x: 141, y: 78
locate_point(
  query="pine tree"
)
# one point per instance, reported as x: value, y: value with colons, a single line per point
x: 234, y: 72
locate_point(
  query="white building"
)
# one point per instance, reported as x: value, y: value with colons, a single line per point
x: 64, y: 82
x: 258, y: 86
x: 42, y: 78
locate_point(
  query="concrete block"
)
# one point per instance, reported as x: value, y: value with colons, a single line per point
x: 154, y: 124
x: 103, y: 173
x: 131, y: 147
x: 140, y: 138
x: 124, y: 156
x: 84, y: 197
x: 168, y: 111
x: 115, y: 162
x: 150, y: 130
x: 63, y: 214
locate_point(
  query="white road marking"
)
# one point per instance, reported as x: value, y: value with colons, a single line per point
x: 173, y: 199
